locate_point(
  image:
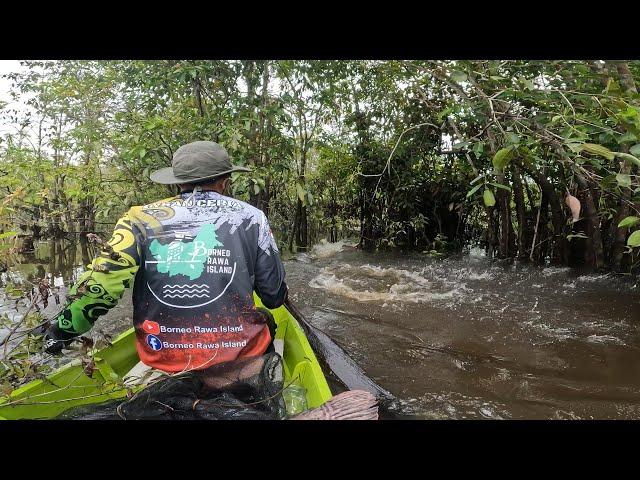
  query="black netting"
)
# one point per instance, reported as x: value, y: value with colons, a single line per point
x: 246, y: 389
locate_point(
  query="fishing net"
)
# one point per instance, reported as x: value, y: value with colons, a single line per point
x: 245, y: 389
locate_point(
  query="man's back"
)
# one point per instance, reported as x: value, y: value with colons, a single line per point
x: 201, y: 256
x: 194, y: 261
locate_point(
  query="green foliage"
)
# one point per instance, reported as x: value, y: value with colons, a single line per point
x: 394, y: 151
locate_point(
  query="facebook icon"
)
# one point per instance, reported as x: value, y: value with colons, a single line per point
x: 154, y: 343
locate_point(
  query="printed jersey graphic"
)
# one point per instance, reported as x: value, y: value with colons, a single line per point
x: 185, y: 258
x: 186, y: 291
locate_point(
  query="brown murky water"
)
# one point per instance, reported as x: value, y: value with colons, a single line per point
x: 463, y: 337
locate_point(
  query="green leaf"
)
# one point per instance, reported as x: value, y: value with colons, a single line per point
x: 634, y: 239
x: 479, y: 177
x: 635, y: 150
x: 598, y: 150
x: 301, y: 192
x: 478, y: 148
x: 142, y: 152
x: 629, y: 222
x: 474, y: 190
x: 8, y: 234
x: 458, y: 76
x: 256, y: 189
x: 512, y: 138
x: 489, y: 199
x: 459, y: 145
x: 612, y: 86
x: 628, y: 157
x: 607, y: 181
x: 623, y: 180
x: 499, y: 185
x: 502, y: 158
x: 444, y: 113
x: 528, y: 84
x: 575, y: 147
x: 628, y: 138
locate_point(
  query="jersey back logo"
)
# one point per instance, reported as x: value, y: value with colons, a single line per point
x: 185, y: 258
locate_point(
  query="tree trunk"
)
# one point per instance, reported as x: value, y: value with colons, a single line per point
x: 560, y: 254
x: 520, y: 211
x: 506, y: 228
x: 492, y: 231
x: 542, y: 238
x: 626, y: 77
x: 303, y: 229
x: 296, y: 225
x: 198, y: 94
x: 596, y: 255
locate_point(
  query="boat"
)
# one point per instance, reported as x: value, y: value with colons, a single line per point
x: 74, y: 385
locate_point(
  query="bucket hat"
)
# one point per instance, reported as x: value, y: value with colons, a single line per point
x: 194, y: 162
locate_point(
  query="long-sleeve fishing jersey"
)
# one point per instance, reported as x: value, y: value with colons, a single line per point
x: 194, y: 260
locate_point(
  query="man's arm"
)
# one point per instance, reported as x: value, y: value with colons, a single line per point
x: 269, y: 271
x: 99, y: 288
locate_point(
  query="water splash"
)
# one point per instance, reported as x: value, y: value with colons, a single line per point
x: 326, y: 249
x: 370, y: 283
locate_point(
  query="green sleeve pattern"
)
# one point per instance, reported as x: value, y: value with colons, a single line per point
x: 99, y: 288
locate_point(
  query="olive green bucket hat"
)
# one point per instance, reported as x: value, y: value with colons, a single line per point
x: 194, y: 162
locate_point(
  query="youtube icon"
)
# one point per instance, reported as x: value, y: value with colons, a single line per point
x: 151, y: 327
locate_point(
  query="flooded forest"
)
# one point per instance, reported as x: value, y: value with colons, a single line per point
x: 467, y: 231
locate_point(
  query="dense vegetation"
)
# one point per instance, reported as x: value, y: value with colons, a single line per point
x: 532, y: 159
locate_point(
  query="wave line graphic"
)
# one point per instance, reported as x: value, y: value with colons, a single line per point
x: 182, y: 290
x: 204, y: 285
x: 186, y: 295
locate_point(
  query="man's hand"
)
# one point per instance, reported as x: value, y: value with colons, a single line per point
x: 53, y: 341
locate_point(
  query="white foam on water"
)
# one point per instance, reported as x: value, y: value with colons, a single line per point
x: 458, y: 405
x: 593, y: 278
x: 405, y: 286
x: 325, y: 249
x: 605, y: 339
x: 477, y: 252
x: 479, y: 276
x: 557, y: 333
x: 549, y: 271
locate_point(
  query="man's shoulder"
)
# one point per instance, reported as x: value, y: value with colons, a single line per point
x: 247, y: 207
x: 233, y: 204
x: 159, y: 203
